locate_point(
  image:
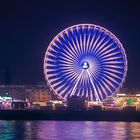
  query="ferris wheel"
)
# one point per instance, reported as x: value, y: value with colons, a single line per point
x: 85, y: 60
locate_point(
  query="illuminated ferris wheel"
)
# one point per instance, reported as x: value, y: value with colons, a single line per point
x: 85, y: 60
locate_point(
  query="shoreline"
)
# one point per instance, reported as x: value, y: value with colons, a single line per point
x: 69, y: 115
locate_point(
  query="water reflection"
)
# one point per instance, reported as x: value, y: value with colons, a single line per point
x: 67, y: 130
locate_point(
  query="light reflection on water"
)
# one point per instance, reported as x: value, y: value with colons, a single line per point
x: 68, y: 130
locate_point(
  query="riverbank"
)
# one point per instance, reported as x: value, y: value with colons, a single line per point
x: 91, y: 115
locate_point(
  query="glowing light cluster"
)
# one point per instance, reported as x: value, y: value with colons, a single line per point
x: 85, y: 60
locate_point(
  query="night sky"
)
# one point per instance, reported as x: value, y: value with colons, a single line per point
x: 27, y: 27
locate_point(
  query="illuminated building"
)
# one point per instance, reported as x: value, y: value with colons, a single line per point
x: 40, y: 96
x: 17, y: 92
x: 39, y: 93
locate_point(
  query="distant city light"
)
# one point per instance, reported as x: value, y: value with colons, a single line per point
x: 119, y: 94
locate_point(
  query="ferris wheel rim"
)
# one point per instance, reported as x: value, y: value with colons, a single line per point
x: 94, y: 26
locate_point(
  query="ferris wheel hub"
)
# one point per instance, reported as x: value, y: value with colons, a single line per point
x: 85, y: 65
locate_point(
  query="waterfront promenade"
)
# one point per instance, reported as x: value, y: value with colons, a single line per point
x: 92, y: 115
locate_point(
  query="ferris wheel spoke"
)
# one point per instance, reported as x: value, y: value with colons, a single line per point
x: 102, y: 46
x: 106, y: 86
x: 76, y: 43
x: 87, y: 94
x: 88, y: 40
x: 66, y: 89
x: 104, y: 56
x: 76, y: 83
x: 112, y: 74
x: 80, y: 90
x: 68, y: 50
x: 92, y: 40
x: 67, y: 58
x: 78, y: 39
x: 111, y: 58
x: 84, y: 41
x: 99, y: 39
x: 94, y: 75
x: 53, y: 53
x: 109, y: 76
x: 95, y: 91
x: 67, y: 62
x: 114, y: 71
x: 98, y: 45
x: 103, y: 51
x: 100, y: 94
x: 81, y: 44
x: 60, y: 86
x: 113, y: 66
x: 90, y: 94
x: 103, y: 88
x: 114, y: 62
x: 88, y: 88
x: 83, y: 86
x: 60, y: 61
x: 109, y: 53
x: 71, y: 43
x: 73, y: 47
x: 67, y: 92
x: 117, y: 58
x: 94, y: 45
x: 65, y: 45
x: 59, y: 77
x: 70, y: 73
x: 64, y: 65
x: 67, y: 55
x: 109, y: 80
x: 73, y: 78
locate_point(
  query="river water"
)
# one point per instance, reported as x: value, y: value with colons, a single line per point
x: 68, y: 130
